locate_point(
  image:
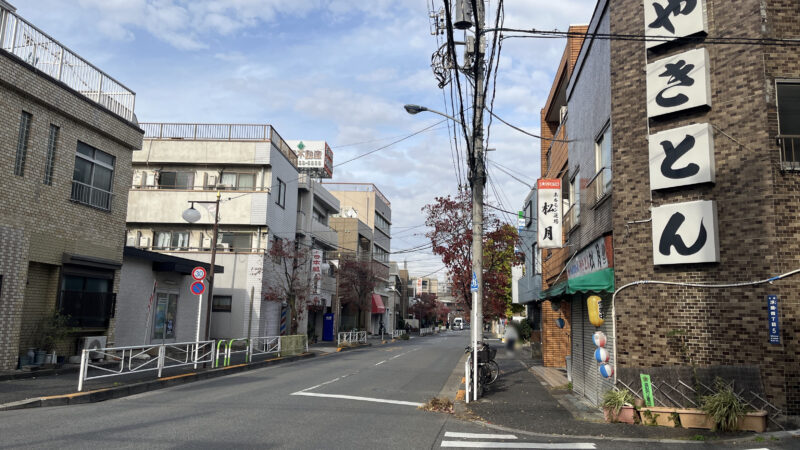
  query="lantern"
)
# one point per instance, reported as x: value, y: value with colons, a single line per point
x: 599, y: 339
x: 607, y: 370
x: 594, y: 305
x: 601, y: 355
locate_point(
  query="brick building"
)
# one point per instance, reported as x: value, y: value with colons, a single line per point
x: 704, y: 154
x: 69, y: 132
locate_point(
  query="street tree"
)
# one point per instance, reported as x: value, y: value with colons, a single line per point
x: 357, y: 280
x: 424, y: 308
x: 288, y: 278
x: 450, y: 220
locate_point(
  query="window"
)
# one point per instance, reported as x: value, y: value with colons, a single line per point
x: 88, y: 301
x: 575, y: 196
x: 789, y: 123
x: 231, y: 241
x: 93, y: 177
x: 172, y: 240
x: 382, y: 224
x: 380, y: 254
x: 281, y: 201
x: 528, y: 213
x: 22, y: 143
x: 221, y: 303
x: 601, y: 183
x: 537, y: 260
x: 176, y: 180
x: 50, y: 161
x: 166, y: 312
x: 241, y: 181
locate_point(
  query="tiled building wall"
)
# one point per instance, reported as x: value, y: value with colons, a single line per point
x: 14, y: 270
x: 50, y: 224
x: 756, y: 206
x: 555, y: 340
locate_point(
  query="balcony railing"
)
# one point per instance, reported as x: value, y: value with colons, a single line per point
x: 35, y: 47
x: 92, y: 196
x: 219, y: 132
x: 599, y: 186
x: 571, y: 218
x: 790, y: 152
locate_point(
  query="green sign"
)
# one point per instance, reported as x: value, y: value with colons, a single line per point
x: 647, y: 390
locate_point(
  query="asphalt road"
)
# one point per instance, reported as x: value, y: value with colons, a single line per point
x: 360, y: 399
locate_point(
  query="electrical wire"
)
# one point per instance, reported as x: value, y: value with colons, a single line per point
x: 390, y: 144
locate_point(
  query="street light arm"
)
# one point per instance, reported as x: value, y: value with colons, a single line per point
x: 416, y: 109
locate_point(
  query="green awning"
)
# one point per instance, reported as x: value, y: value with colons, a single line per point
x: 600, y: 281
x: 555, y: 291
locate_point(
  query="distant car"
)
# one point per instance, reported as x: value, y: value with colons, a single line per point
x: 458, y: 323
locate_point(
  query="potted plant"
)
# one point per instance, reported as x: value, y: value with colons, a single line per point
x: 618, y: 406
x: 662, y: 416
x: 727, y: 412
x: 52, y: 330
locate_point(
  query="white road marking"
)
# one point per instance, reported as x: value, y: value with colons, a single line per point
x: 362, y: 399
x: 474, y: 444
x: 479, y: 435
x: 323, y: 384
x: 378, y: 364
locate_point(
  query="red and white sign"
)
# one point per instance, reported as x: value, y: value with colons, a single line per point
x: 199, y: 273
x: 316, y: 270
x: 550, y: 215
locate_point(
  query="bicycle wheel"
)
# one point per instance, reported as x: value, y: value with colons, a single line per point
x: 493, y: 371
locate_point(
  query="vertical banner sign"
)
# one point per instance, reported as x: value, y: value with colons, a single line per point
x: 520, y: 221
x: 418, y: 289
x: 772, y: 311
x: 549, y: 227
x: 647, y: 390
x: 316, y: 270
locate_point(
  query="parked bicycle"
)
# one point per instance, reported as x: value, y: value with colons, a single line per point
x: 487, y: 367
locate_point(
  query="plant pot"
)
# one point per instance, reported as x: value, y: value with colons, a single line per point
x: 753, y: 421
x: 658, y: 416
x: 39, y: 358
x: 625, y: 415
x: 48, y: 358
x: 695, y: 418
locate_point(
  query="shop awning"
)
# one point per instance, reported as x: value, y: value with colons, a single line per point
x: 377, y: 304
x: 600, y: 281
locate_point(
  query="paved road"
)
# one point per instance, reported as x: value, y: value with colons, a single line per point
x: 361, y: 399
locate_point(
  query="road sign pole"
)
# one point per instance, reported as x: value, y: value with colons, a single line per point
x: 197, y: 331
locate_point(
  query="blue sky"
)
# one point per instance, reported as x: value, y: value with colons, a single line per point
x: 334, y: 70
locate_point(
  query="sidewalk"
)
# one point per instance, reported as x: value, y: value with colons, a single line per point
x: 522, y: 400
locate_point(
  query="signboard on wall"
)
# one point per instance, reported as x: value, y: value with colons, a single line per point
x: 591, y: 259
x: 685, y: 233
x: 678, y: 82
x: 682, y: 156
x: 316, y: 270
x: 550, y: 214
x: 772, y: 311
x: 313, y: 157
x: 667, y: 20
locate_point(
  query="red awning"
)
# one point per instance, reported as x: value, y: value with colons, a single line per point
x: 377, y: 304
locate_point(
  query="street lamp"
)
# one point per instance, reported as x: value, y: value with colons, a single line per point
x: 416, y: 109
x: 192, y: 215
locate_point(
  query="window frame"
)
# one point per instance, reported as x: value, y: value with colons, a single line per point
x: 23, y: 137
x: 789, y: 143
x: 50, y: 159
x: 170, y: 301
x: 95, y: 162
x: 189, y: 182
x: 216, y: 307
x: 281, y: 200
x: 172, y: 236
x: 605, y: 135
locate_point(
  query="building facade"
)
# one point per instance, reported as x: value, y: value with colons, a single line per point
x: 67, y: 164
x: 255, y: 173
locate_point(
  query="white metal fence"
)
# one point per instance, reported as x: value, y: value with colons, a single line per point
x: 35, y: 47
x: 425, y: 331
x: 398, y: 333
x: 143, y: 358
x: 352, y: 337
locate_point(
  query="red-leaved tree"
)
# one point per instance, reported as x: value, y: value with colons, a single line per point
x: 357, y: 281
x: 450, y: 220
x: 424, y: 308
x: 288, y: 278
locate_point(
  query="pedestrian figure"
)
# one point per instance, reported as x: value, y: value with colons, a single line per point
x: 510, y: 337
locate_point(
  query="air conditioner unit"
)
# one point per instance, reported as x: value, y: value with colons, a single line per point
x: 94, y: 342
x: 131, y: 241
x: 211, y: 181
x: 150, y: 179
x: 144, y: 242
x: 206, y: 242
x: 224, y: 245
x: 562, y: 114
x: 138, y: 179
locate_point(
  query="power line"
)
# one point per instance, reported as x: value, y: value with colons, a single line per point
x: 390, y: 144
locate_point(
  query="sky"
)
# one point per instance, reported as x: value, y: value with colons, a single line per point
x: 333, y: 70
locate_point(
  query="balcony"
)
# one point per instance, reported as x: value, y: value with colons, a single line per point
x: 790, y: 152
x: 91, y: 196
x: 572, y: 217
x: 324, y: 233
x: 599, y: 186
x: 36, y: 48
x: 156, y: 206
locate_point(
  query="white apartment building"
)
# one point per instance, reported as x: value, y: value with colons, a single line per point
x: 255, y: 172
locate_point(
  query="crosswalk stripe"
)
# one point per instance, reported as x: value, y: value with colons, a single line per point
x: 478, y: 444
x: 478, y: 435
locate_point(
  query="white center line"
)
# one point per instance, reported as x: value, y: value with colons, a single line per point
x: 473, y: 444
x: 378, y: 364
x: 362, y: 399
x: 478, y: 435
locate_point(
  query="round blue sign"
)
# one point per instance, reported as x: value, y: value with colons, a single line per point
x: 198, y: 287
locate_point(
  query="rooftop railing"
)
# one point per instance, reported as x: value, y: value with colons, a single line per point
x: 22, y: 39
x: 219, y: 132
x: 357, y: 187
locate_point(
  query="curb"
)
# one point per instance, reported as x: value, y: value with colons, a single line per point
x: 104, y: 394
x: 344, y: 349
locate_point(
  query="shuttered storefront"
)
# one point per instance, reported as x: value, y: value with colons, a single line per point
x: 586, y: 378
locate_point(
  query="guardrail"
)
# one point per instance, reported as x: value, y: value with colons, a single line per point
x: 143, y: 358
x: 266, y: 345
x: 226, y: 354
x: 425, y: 331
x: 351, y: 337
x: 398, y: 333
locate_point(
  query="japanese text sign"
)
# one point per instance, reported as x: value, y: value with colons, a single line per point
x: 774, y: 327
x: 668, y: 20
x: 549, y: 204
x: 685, y: 233
x: 682, y: 156
x: 679, y: 82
